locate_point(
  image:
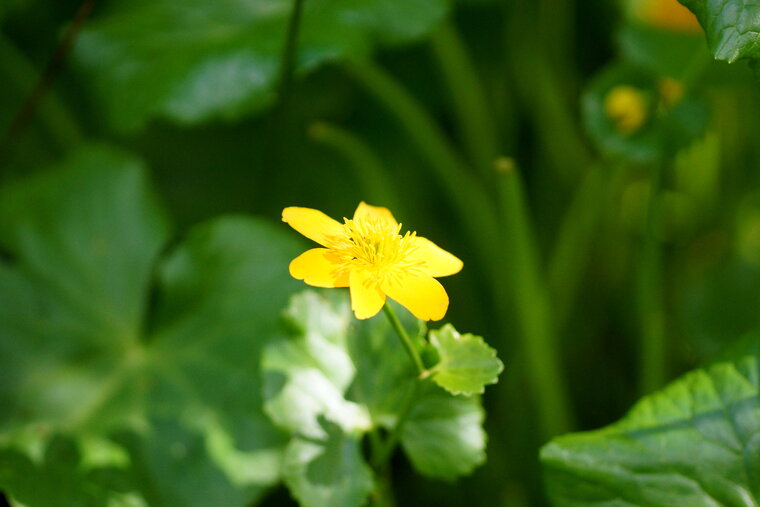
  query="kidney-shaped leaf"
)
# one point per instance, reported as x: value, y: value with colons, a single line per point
x: 84, y: 352
x: 194, y: 60
x: 695, y: 442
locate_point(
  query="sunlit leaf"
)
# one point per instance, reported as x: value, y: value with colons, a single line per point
x: 194, y: 60
x: 333, y: 378
x: 327, y: 471
x: 467, y: 364
x: 86, y: 357
x: 695, y: 442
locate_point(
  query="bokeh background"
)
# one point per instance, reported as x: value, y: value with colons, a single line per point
x: 386, y: 110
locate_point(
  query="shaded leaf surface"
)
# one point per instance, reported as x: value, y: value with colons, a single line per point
x: 732, y: 27
x: 695, y: 442
x: 178, y: 391
x: 194, y: 60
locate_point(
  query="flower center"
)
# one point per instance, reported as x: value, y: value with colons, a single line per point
x: 376, y: 245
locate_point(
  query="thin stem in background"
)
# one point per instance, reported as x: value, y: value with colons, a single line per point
x: 532, y: 305
x: 465, y: 192
x: 649, y: 292
x: 58, y: 121
x: 289, y: 53
x: 52, y: 69
x: 477, y: 127
x: 371, y: 174
x: 570, y: 257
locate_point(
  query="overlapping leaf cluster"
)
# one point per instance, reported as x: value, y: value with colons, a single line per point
x: 130, y: 364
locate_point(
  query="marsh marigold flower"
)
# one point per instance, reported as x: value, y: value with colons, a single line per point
x: 368, y: 254
x: 627, y: 107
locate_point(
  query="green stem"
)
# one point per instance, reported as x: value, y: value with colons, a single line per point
x: 404, y: 337
x: 465, y: 192
x: 381, y: 459
x: 570, y: 257
x: 649, y: 293
x: 289, y: 53
x: 533, y: 309
x: 372, y: 176
x: 58, y: 121
x: 468, y: 98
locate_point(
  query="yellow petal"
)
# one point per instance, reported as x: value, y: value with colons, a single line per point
x: 366, y: 297
x: 318, y: 268
x: 367, y: 212
x: 422, y: 295
x: 436, y: 261
x: 313, y: 224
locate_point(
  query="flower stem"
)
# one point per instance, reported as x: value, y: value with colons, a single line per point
x: 521, y: 272
x: 381, y: 458
x: 289, y: 52
x: 649, y: 293
x: 404, y: 337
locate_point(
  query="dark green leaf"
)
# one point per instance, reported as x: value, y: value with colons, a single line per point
x: 444, y: 436
x: 732, y: 27
x: 85, y: 359
x: 59, y: 474
x: 329, y: 471
x: 695, y: 442
x: 195, y: 60
x: 467, y: 364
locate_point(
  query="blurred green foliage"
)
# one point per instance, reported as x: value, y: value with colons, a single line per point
x: 599, y: 264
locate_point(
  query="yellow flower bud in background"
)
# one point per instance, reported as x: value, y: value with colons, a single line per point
x: 671, y: 91
x: 627, y: 107
x: 665, y: 14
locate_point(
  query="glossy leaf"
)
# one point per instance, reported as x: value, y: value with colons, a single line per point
x: 695, y: 442
x: 307, y: 374
x: 333, y: 378
x: 467, y: 364
x: 196, y: 60
x: 732, y: 27
x: 444, y: 435
x: 329, y: 471
x: 85, y: 357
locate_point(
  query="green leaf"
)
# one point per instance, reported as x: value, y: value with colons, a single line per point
x: 59, y: 474
x: 695, y: 442
x: 196, y: 60
x: 331, y: 379
x: 90, y: 357
x: 329, y: 471
x: 307, y: 373
x: 732, y: 27
x: 664, y: 52
x: 443, y: 436
x: 467, y: 364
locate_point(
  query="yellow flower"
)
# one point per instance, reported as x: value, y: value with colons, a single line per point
x: 626, y: 106
x: 666, y: 14
x: 368, y: 254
